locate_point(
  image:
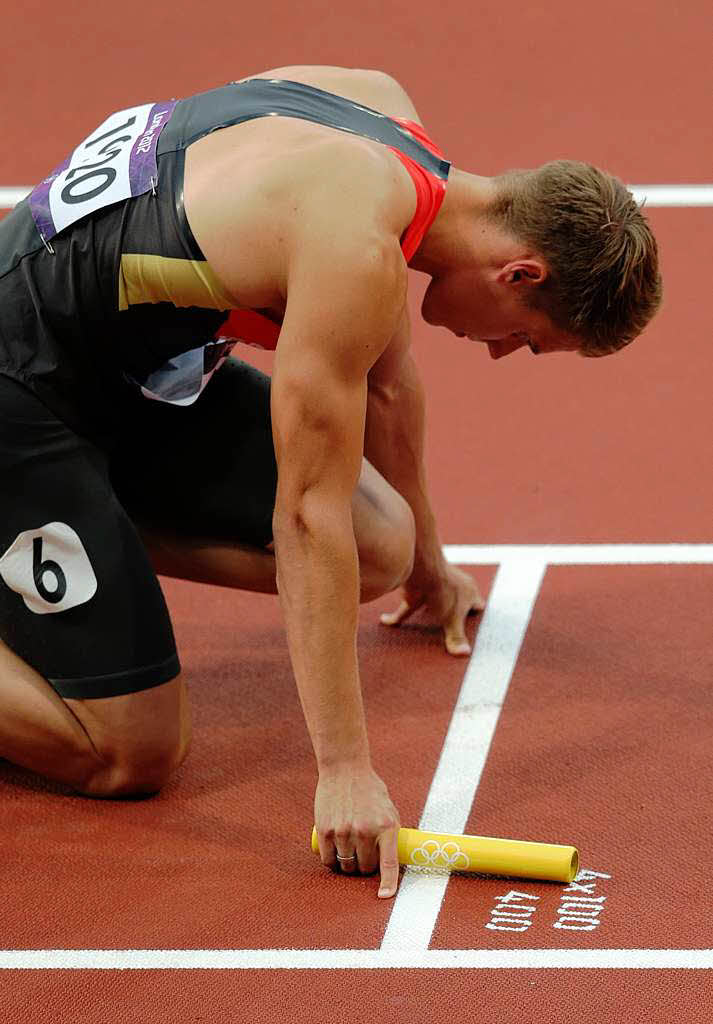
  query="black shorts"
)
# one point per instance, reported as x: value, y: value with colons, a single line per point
x: 79, y: 600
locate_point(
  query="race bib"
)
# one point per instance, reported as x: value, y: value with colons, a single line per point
x: 49, y: 568
x: 117, y: 161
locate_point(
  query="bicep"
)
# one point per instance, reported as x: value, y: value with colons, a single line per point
x: 337, y: 324
x: 318, y: 415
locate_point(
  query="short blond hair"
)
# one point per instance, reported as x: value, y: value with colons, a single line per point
x: 604, y: 284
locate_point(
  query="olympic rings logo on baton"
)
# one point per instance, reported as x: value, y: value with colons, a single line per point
x: 433, y: 854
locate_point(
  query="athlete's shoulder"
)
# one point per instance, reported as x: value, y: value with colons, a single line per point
x: 369, y: 86
x: 351, y: 177
x: 398, y: 99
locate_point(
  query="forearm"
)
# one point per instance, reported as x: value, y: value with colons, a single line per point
x: 394, y: 444
x: 318, y: 581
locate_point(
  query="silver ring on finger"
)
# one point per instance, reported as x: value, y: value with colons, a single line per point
x: 341, y: 860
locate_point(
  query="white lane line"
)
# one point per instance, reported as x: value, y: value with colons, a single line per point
x: 517, y: 558
x: 652, y: 195
x: 466, y: 746
x: 353, y: 959
x: 673, y: 195
x: 582, y: 554
x: 11, y: 195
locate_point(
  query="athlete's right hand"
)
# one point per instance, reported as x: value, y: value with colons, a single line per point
x: 356, y: 820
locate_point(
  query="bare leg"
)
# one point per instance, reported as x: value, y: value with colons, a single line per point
x: 131, y: 744
x: 224, y: 563
x: 107, y: 747
x: 383, y: 526
x: 385, y: 534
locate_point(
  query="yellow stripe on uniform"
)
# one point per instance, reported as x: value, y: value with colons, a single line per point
x: 144, y: 278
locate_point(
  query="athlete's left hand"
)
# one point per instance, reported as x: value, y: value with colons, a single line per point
x: 448, y: 595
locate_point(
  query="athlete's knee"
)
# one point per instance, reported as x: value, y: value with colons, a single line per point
x: 133, y: 773
x: 141, y: 759
x: 403, y: 542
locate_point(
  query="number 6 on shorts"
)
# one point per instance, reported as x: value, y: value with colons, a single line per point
x: 49, y: 568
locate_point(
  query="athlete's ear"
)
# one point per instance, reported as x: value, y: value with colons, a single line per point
x: 531, y: 271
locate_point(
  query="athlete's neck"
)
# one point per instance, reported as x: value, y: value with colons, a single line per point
x: 454, y: 235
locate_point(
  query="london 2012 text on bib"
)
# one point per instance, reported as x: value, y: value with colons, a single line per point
x: 117, y: 161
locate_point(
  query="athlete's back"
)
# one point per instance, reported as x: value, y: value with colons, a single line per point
x: 131, y: 276
x: 268, y: 162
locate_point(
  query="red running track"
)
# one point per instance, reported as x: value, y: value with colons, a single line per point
x: 605, y: 735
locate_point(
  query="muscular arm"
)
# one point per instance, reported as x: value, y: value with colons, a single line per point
x: 394, y: 444
x: 318, y: 407
x: 346, y: 289
x: 395, y: 436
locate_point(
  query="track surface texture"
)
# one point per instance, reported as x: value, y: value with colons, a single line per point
x: 601, y: 734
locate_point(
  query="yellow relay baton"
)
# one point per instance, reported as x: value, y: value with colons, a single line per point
x: 484, y: 855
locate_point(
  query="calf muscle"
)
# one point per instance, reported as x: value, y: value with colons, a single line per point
x: 37, y: 729
x: 110, y: 747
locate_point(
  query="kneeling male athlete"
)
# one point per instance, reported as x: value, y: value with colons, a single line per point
x: 125, y: 280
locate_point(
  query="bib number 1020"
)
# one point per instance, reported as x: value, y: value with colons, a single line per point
x: 116, y: 162
x: 99, y: 172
